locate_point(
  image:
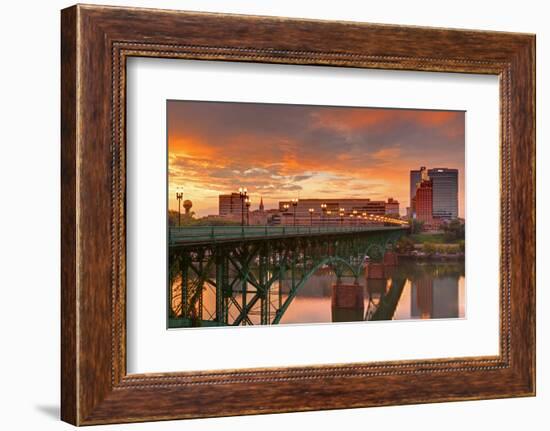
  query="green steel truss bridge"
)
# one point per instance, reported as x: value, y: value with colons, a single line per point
x: 233, y: 275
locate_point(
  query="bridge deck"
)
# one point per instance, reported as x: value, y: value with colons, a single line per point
x: 214, y: 234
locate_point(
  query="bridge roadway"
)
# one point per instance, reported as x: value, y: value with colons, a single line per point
x: 196, y: 235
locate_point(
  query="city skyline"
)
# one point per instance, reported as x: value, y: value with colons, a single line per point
x: 277, y: 204
x: 280, y: 152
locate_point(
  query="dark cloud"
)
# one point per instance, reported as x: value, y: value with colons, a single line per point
x: 291, y: 187
x: 270, y: 148
x: 298, y: 178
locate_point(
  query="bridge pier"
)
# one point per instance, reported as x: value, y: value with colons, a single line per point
x: 347, y: 302
x: 375, y: 271
x: 390, y: 258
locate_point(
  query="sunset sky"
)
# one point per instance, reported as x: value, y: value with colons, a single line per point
x: 297, y: 151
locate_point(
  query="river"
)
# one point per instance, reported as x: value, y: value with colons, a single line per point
x: 431, y: 290
x: 413, y: 289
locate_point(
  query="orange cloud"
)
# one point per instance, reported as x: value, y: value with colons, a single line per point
x: 305, y: 151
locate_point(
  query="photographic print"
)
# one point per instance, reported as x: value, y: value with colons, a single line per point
x: 301, y: 214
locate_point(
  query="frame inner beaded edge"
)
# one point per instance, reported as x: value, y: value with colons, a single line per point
x: 119, y: 379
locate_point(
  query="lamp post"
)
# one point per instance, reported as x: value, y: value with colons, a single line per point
x: 365, y: 217
x: 355, y: 215
x: 285, y: 210
x: 311, y: 211
x: 179, y: 197
x: 329, y: 213
x: 324, y: 209
x: 247, y: 202
x: 294, y: 205
x: 341, y: 217
x: 242, y: 194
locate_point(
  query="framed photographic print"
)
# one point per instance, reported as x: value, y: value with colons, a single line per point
x: 314, y: 233
x: 286, y: 207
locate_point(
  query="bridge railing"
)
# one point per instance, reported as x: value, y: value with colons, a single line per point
x: 194, y: 234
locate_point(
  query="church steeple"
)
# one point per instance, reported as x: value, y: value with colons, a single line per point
x: 261, y: 203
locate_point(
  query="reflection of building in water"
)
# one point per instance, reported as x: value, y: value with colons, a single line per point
x: 445, y: 298
x: 421, y: 299
x: 434, y: 298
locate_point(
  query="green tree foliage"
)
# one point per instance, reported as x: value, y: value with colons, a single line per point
x: 416, y: 225
x: 186, y: 219
x: 454, y: 230
x: 190, y: 220
x: 405, y: 245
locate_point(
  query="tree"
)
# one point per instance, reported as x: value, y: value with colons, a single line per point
x: 188, y: 219
x: 405, y: 245
x: 416, y: 225
x: 454, y: 230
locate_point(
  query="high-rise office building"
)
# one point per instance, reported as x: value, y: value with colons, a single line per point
x: 445, y: 192
x: 415, y: 179
x: 424, y: 201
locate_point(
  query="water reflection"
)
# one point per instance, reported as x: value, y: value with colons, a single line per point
x: 410, y: 290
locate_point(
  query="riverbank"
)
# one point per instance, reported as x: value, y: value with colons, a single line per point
x: 431, y: 246
x: 433, y: 237
x: 419, y: 255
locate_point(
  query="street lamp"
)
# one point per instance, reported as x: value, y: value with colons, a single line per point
x: 179, y: 197
x: 311, y: 211
x: 355, y: 214
x: 285, y: 210
x: 341, y: 218
x: 247, y: 203
x: 242, y: 194
x: 294, y: 205
x: 328, y: 214
x: 365, y: 217
x: 324, y: 209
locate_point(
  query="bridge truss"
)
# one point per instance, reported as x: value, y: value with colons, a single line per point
x: 255, y: 281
